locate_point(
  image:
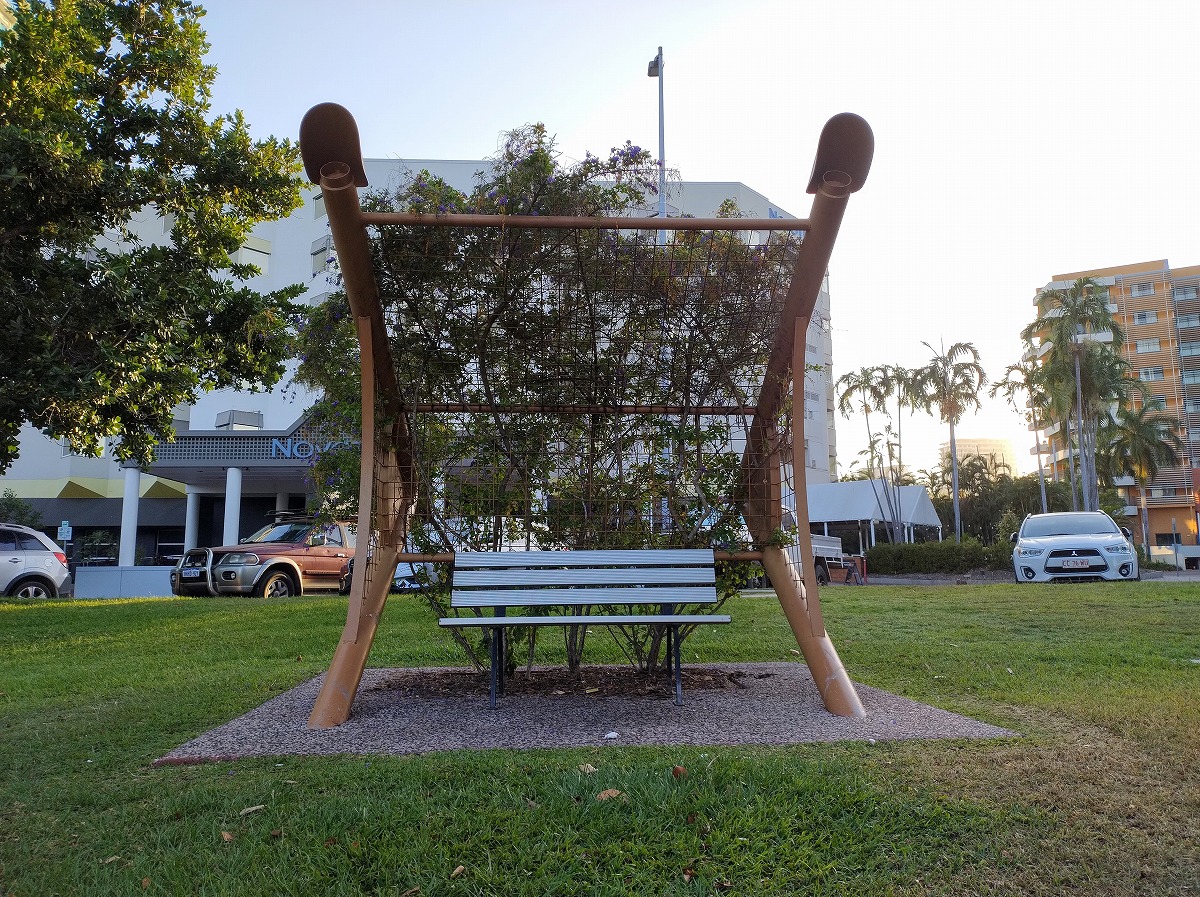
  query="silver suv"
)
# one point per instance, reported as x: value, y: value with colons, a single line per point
x: 31, y: 566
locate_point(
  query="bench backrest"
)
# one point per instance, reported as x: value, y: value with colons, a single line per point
x: 577, y: 578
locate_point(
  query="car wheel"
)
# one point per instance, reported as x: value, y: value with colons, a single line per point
x: 275, y: 585
x: 31, y: 590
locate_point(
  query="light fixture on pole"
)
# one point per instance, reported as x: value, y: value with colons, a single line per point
x: 655, y: 70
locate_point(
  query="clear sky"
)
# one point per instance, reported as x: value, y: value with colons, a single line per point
x: 1014, y: 140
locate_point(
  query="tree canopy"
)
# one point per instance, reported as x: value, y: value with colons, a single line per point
x: 105, y: 117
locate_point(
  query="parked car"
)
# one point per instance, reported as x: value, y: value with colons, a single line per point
x: 1070, y: 546
x: 31, y: 565
x: 291, y: 556
x: 406, y: 578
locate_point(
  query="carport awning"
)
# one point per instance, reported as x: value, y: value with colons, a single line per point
x: 865, y: 500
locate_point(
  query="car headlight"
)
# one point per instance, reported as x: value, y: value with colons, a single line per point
x: 1119, y: 548
x: 240, y: 559
x: 1029, y: 552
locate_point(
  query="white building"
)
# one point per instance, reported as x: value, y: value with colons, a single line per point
x: 240, y: 455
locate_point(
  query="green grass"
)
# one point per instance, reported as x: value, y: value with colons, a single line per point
x: 1101, y: 795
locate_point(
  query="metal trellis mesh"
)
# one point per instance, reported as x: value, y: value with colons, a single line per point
x: 578, y: 388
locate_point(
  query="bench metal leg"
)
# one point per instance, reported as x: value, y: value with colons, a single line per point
x: 678, y: 668
x: 494, y: 666
x: 501, y: 655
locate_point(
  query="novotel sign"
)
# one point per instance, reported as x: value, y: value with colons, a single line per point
x: 303, y: 449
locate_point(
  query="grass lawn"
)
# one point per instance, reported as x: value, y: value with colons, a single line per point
x: 1101, y: 796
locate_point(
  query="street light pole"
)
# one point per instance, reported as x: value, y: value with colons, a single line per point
x: 655, y: 70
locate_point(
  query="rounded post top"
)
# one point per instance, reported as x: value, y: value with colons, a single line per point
x: 328, y: 133
x: 847, y: 146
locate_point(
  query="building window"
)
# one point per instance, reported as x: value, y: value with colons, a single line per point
x: 1184, y: 292
x: 1188, y: 349
x: 1150, y: 374
x: 322, y: 255
x: 1143, y: 289
x: 1146, y: 345
x: 1145, y: 317
x: 1191, y: 378
x: 1184, y: 322
x: 1192, y: 406
x: 1162, y: 540
x: 254, y: 251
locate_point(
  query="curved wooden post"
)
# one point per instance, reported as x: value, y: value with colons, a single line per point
x: 329, y: 141
x: 837, y: 691
x: 842, y: 163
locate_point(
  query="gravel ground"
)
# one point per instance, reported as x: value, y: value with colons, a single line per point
x: 766, y: 703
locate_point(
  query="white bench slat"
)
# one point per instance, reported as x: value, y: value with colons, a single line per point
x: 647, y: 557
x: 577, y: 597
x: 584, y: 620
x: 584, y: 576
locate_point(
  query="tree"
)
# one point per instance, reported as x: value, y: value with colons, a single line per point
x: 104, y: 116
x: 866, y: 391
x: 1079, y: 326
x: 903, y: 385
x: 951, y: 383
x: 1138, y: 443
x: 14, y: 510
x: 510, y: 333
x: 1024, y: 379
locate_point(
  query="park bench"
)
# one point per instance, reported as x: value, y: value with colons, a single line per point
x: 650, y: 587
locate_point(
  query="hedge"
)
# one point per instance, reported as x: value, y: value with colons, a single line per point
x: 939, y: 557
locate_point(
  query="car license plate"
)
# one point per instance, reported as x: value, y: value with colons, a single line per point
x: 1075, y: 563
x: 191, y: 572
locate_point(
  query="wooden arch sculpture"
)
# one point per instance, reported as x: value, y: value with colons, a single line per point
x: 388, y: 490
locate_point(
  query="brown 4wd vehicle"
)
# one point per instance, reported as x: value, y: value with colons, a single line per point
x: 292, y: 556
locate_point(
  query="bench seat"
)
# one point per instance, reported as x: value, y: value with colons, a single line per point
x: 663, y: 581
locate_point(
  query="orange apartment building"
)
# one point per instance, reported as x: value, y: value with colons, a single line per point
x: 1159, y: 309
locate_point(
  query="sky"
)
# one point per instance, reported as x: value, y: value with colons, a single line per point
x: 1013, y: 140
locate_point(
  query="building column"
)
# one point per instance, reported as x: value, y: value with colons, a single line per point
x: 191, y: 520
x: 127, y: 553
x: 233, y: 505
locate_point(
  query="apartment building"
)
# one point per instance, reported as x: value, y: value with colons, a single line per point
x: 1158, y: 307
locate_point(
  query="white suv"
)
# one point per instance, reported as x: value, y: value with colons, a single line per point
x: 1072, y: 546
x: 31, y: 566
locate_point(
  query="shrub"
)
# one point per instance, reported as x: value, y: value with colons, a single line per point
x: 938, y: 557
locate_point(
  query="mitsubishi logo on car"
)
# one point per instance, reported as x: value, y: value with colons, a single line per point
x: 1074, y: 554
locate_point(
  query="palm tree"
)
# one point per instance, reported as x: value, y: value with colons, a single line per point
x: 1137, y: 444
x: 863, y: 391
x: 902, y: 384
x: 951, y: 383
x: 1077, y: 322
x: 1024, y: 378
